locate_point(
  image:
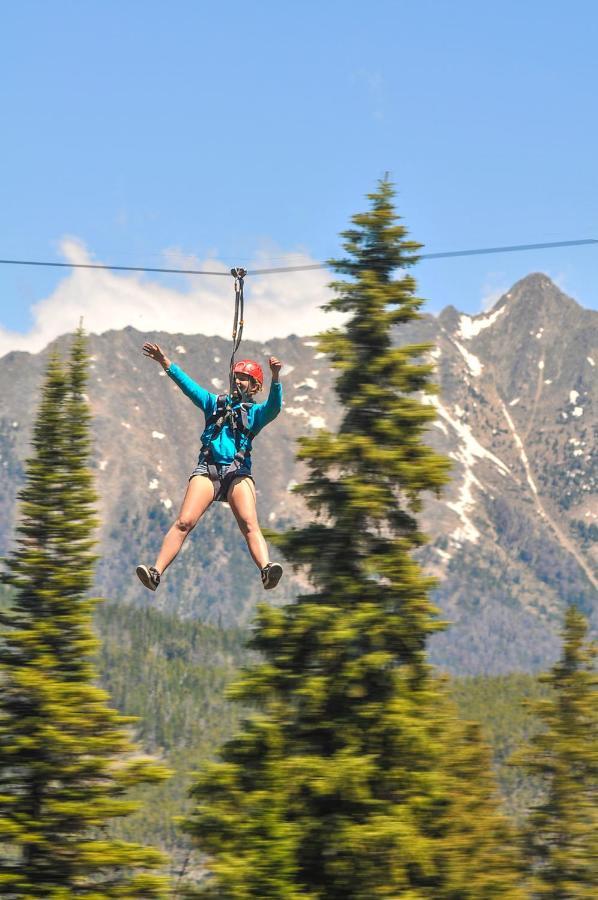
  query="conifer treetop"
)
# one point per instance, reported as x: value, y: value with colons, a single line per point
x: 561, y: 834
x: 66, y: 758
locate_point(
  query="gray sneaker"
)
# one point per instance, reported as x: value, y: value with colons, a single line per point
x: 148, y: 576
x: 271, y: 575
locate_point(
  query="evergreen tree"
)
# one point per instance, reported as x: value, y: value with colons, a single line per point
x: 476, y: 855
x: 350, y: 774
x: 561, y: 834
x: 66, y: 760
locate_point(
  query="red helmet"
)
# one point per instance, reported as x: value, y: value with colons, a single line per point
x: 249, y: 367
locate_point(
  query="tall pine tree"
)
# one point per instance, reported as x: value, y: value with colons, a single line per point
x: 349, y: 777
x: 561, y: 834
x: 66, y: 761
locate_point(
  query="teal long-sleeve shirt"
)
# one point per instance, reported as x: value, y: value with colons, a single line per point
x: 258, y: 416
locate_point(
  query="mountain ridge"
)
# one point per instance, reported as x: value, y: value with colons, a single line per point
x: 513, y: 539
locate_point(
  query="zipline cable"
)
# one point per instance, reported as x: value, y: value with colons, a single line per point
x: 62, y: 265
x: 446, y: 254
x: 306, y: 268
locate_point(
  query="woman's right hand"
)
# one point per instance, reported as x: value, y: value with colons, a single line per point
x: 154, y: 351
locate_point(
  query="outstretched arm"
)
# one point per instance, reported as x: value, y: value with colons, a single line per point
x: 154, y: 351
x: 202, y: 398
x: 268, y: 411
x: 275, y: 367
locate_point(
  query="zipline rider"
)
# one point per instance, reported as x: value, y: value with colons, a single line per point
x: 223, y: 470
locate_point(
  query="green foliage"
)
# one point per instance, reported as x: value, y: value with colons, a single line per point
x: 561, y: 834
x: 352, y: 777
x: 475, y: 858
x: 169, y: 673
x: 502, y: 705
x: 172, y: 674
x: 66, y: 761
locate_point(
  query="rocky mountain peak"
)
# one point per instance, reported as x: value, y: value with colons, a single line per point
x: 449, y: 318
x: 537, y: 297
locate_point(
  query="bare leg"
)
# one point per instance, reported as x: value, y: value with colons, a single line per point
x: 199, y: 495
x: 242, y: 500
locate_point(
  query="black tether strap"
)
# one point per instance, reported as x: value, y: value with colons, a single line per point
x: 239, y: 276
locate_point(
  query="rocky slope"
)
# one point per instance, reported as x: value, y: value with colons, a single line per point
x: 513, y: 539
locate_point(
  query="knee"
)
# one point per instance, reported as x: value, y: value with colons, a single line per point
x: 184, y: 525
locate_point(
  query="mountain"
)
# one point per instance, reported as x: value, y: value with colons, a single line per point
x: 513, y: 538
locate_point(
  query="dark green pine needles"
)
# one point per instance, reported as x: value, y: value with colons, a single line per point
x: 352, y: 777
x: 561, y: 833
x: 66, y: 760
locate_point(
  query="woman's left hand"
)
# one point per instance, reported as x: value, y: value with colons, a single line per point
x: 275, y: 367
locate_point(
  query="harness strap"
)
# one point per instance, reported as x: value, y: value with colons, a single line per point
x: 240, y: 426
x: 239, y: 275
x: 221, y: 481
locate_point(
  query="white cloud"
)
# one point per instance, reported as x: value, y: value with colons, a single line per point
x: 491, y: 293
x: 275, y: 305
x: 374, y: 83
x: 559, y: 278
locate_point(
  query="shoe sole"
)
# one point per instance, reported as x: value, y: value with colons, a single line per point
x: 274, y: 576
x: 145, y: 578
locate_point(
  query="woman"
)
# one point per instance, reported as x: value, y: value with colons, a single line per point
x: 223, y: 470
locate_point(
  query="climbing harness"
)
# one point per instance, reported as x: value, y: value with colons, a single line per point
x: 239, y: 275
x: 235, y: 416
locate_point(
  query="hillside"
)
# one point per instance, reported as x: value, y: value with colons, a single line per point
x: 173, y: 676
x: 513, y: 538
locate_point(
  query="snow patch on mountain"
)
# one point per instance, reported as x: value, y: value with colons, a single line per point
x: 470, y: 326
x: 313, y: 421
x: 473, y: 363
x: 472, y: 446
x: 469, y: 450
x: 466, y: 531
x: 521, y: 448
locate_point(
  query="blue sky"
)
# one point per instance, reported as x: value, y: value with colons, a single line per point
x: 148, y: 133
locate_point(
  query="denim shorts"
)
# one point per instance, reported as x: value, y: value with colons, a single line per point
x: 222, y: 481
